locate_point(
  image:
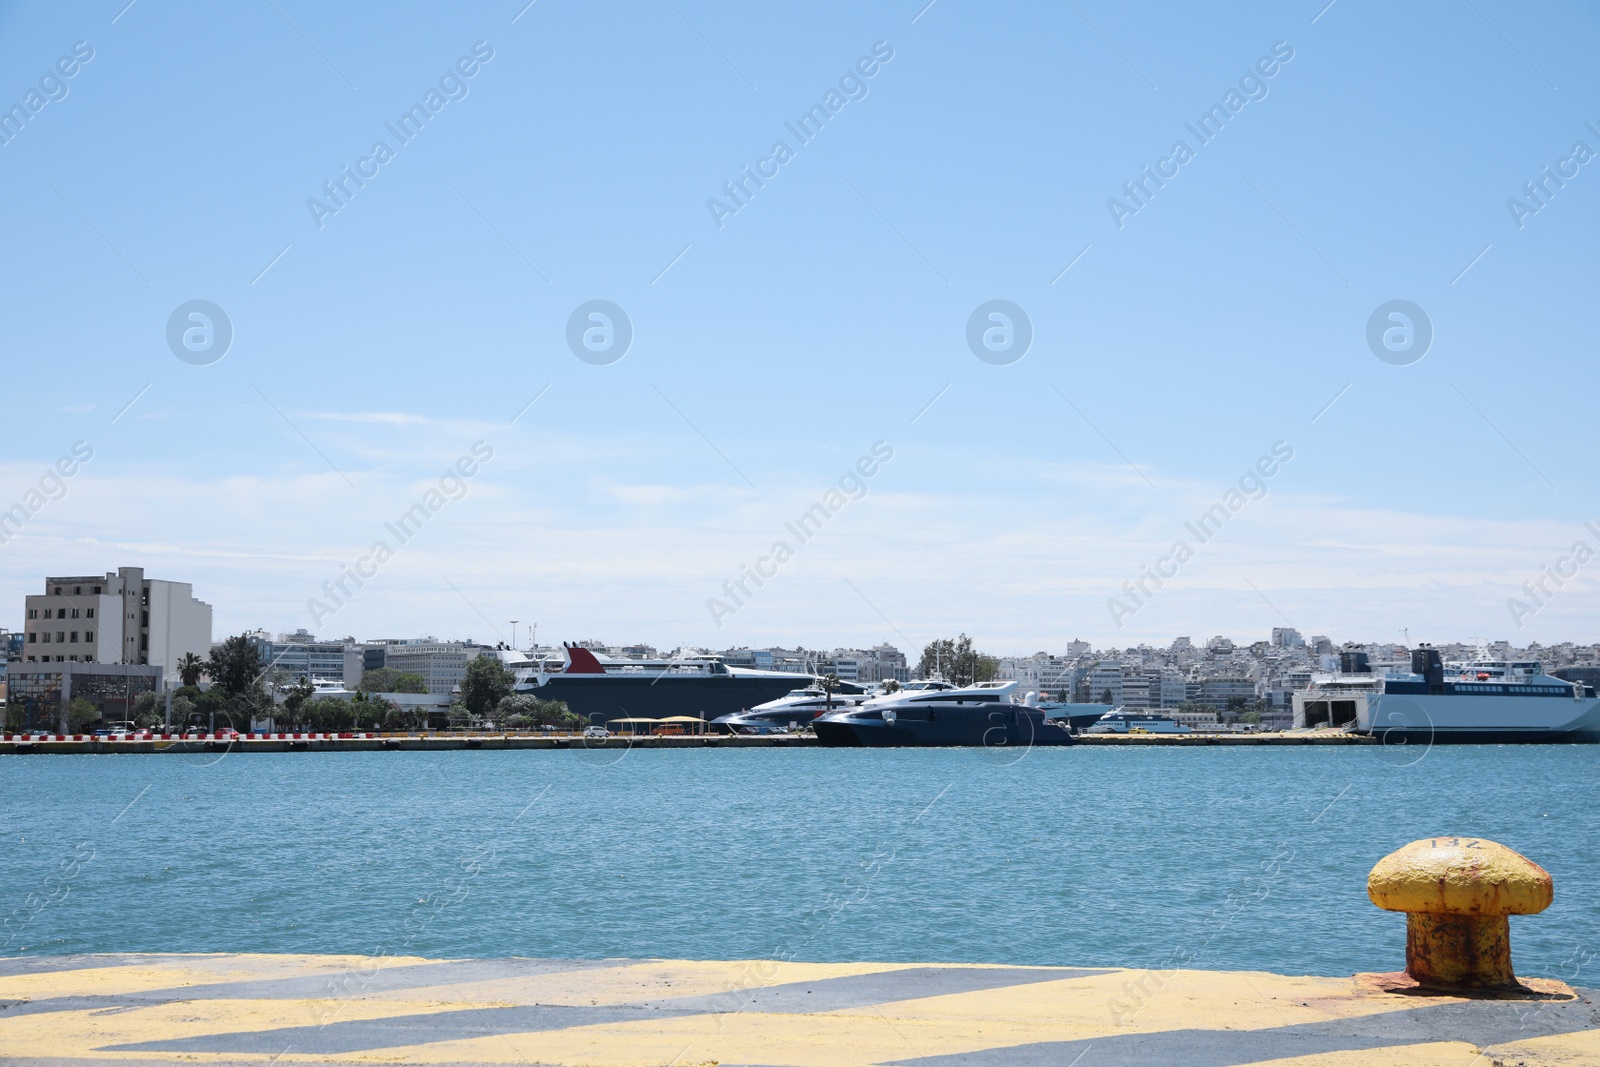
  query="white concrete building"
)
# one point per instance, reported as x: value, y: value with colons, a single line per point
x: 118, y: 618
x: 442, y: 665
x: 301, y: 655
x: 1105, y: 684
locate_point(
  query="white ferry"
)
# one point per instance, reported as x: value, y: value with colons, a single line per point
x: 1484, y: 700
x: 1127, y: 721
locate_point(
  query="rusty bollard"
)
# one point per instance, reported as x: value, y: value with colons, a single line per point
x: 1456, y: 893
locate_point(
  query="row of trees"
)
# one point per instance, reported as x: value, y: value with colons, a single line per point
x: 243, y: 692
x: 487, y: 699
x: 389, y: 680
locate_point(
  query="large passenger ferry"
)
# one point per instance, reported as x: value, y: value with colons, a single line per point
x: 602, y: 688
x: 1485, y: 700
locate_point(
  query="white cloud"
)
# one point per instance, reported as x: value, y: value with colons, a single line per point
x: 935, y: 550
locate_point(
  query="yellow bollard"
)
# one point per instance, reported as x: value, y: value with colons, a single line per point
x: 1456, y: 893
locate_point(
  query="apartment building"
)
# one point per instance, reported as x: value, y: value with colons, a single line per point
x: 119, y: 618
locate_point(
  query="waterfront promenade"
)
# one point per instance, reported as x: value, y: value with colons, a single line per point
x: 262, y: 1009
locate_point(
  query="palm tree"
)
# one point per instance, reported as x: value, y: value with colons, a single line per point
x: 830, y: 684
x: 190, y: 667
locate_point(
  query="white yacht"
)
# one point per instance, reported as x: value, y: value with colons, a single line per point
x: 792, y: 710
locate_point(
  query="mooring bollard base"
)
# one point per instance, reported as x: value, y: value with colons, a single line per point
x: 1399, y: 983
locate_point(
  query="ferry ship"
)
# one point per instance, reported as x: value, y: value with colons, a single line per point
x: 1119, y: 721
x: 935, y: 713
x: 601, y: 689
x: 1485, y: 700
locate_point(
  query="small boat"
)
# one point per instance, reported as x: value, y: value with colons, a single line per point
x: 937, y: 713
x: 1120, y: 721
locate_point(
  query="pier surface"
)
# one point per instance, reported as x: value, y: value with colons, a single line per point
x: 83, y: 744
x: 259, y: 1009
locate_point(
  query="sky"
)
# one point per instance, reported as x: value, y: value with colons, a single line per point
x: 760, y: 349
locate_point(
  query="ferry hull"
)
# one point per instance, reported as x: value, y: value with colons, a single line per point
x: 1415, y: 718
x: 601, y: 698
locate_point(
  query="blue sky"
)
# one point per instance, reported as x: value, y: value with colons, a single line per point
x: 771, y: 352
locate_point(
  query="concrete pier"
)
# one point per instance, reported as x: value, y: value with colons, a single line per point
x: 60, y: 744
x: 397, y: 743
x: 230, y: 1009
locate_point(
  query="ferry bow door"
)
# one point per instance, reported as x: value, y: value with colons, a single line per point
x: 1334, y: 713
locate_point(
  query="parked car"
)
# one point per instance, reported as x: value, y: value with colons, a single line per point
x: 596, y: 731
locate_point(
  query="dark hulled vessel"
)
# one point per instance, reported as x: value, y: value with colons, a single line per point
x: 705, y: 688
x: 933, y: 714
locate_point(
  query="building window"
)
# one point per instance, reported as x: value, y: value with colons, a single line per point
x: 88, y: 613
x: 46, y: 637
x: 97, y: 590
x: 47, y: 613
x: 74, y: 637
x: 88, y: 635
x: 58, y: 590
x: 77, y: 590
x: 61, y: 637
x: 33, y: 613
x: 32, y: 638
x: 74, y: 613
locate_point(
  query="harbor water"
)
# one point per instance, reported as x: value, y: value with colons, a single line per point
x: 1219, y: 858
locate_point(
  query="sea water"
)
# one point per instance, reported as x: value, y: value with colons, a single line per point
x: 1223, y: 857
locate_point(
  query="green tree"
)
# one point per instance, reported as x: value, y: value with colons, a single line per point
x: 326, y: 715
x: 80, y: 714
x: 957, y: 661
x: 520, y: 711
x: 298, y: 694
x: 389, y: 680
x: 235, y: 667
x: 190, y: 667
x: 486, y: 684
x: 1105, y: 696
